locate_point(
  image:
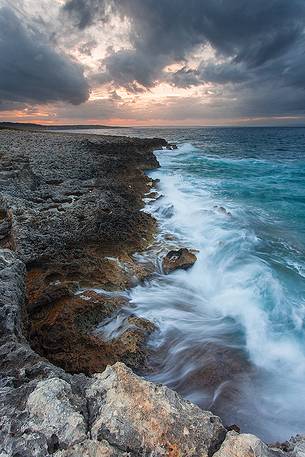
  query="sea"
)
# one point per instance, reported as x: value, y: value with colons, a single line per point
x: 231, y: 330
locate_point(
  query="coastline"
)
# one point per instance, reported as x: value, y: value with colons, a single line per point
x: 75, y: 222
x: 65, y: 216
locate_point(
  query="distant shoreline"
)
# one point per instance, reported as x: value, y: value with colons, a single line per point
x: 64, y: 127
x: 33, y: 126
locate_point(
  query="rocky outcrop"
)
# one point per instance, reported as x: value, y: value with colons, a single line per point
x: 144, y: 419
x: 70, y: 210
x: 246, y: 445
x: 117, y: 413
x: 181, y: 259
x: 64, y: 334
x: 171, y: 146
x: 91, y: 448
x: 222, y: 210
x: 69, y: 217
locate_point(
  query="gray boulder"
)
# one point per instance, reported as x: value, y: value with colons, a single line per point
x: 57, y: 413
x: 245, y: 445
x: 147, y: 419
x: 91, y: 448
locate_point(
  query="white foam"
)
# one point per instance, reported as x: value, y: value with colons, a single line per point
x: 229, y: 293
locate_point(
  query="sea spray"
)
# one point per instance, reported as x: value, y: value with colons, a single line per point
x: 231, y: 329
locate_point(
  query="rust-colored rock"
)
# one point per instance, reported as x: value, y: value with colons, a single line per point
x: 181, y: 259
x: 145, y: 419
x: 76, y: 227
x: 63, y: 333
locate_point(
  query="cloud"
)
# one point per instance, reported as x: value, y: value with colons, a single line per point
x: 31, y: 70
x: 184, y: 77
x: 258, y: 49
x: 256, y: 65
x: 87, y: 47
x: 128, y: 66
x: 219, y: 73
x: 84, y: 13
x: 165, y: 31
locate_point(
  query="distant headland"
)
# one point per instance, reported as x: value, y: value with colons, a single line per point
x: 33, y: 126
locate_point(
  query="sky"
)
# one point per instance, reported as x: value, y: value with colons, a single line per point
x: 153, y: 62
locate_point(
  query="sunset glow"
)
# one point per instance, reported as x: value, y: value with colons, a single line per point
x: 144, y: 63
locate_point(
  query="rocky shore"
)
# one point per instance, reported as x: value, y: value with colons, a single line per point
x: 70, y: 220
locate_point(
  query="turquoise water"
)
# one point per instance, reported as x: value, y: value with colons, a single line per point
x: 231, y: 329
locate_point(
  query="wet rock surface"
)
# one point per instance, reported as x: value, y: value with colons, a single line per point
x: 70, y: 219
x: 181, y: 259
x: 64, y: 334
x: 70, y: 210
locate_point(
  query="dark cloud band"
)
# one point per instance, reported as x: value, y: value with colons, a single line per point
x: 165, y: 31
x: 259, y: 44
x: 31, y: 70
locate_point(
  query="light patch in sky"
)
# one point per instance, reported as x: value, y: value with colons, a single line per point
x: 148, y: 62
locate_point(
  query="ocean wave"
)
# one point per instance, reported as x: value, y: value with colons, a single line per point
x: 231, y: 329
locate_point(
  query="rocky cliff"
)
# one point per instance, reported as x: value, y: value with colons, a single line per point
x: 70, y: 220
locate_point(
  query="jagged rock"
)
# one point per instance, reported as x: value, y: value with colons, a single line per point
x: 222, y: 210
x: 74, y: 319
x: 169, y: 237
x: 57, y: 413
x: 12, y: 294
x: 91, y: 448
x: 295, y: 447
x: 65, y: 223
x: 245, y: 445
x: 181, y: 259
x: 6, y: 220
x: 145, y: 419
x: 171, y: 146
x: 62, y: 223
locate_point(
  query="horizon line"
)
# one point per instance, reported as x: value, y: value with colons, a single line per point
x: 105, y: 126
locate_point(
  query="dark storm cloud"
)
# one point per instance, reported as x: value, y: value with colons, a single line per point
x: 165, y: 31
x: 31, y: 70
x: 184, y: 78
x: 84, y: 13
x: 126, y: 66
x: 223, y: 73
x: 220, y: 73
x: 12, y: 105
